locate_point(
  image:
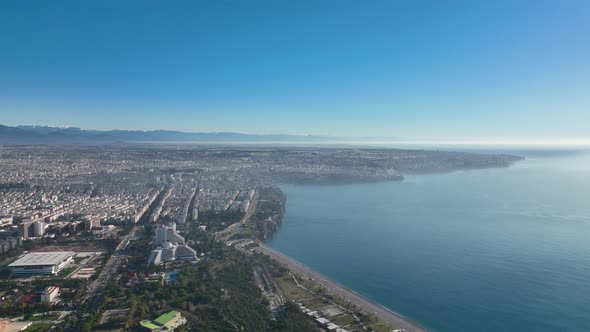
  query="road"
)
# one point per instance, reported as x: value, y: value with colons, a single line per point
x: 367, y: 305
x: 96, y: 290
x: 98, y: 287
x: 227, y: 233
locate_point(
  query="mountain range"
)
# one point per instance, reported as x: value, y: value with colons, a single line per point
x: 73, y: 135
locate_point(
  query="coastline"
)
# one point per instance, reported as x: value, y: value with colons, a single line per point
x: 362, y: 303
x: 369, y: 306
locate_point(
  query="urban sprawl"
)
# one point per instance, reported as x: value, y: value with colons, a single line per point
x: 162, y: 237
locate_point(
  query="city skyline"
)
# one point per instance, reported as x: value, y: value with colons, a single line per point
x: 460, y: 72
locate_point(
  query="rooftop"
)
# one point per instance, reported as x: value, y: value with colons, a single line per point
x: 165, y: 318
x: 42, y: 258
x: 149, y: 325
x: 159, y: 322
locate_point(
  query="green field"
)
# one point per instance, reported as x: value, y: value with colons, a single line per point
x: 44, y: 317
x: 43, y: 327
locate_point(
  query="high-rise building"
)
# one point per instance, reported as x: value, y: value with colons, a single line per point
x: 39, y: 228
x: 168, y: 234
x: 91, y: 223
x: 26, y: 229
x: 50, y: 294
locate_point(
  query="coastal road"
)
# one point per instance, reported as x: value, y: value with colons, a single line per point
x: 362, y: 302
x: 227, y: 233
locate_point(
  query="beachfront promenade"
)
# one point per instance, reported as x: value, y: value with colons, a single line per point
x: 367, y: 305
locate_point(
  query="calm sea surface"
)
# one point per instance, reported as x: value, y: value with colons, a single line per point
x: 484, y: 250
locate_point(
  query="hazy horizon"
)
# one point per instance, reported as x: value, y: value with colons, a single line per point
x: 363, y: 140
x: 453, y: 72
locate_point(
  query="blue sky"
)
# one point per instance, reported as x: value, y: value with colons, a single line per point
x: 448, y: 70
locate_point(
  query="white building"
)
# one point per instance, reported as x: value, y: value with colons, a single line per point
x: 170, y: 246
x: 171, y: 252
x: 168, y: 234
x: 50, y: 294
x: 42, y: 263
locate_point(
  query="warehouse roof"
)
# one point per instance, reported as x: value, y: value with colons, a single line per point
x: 42, y: 258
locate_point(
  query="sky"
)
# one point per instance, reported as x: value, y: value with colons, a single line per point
x: 417, y: 69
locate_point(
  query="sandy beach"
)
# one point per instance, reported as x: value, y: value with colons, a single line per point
x: 362, y: 302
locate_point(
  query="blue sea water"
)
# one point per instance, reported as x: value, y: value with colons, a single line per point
x: 504, y: 249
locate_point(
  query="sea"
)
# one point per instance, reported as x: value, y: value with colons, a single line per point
x: 499, y: 249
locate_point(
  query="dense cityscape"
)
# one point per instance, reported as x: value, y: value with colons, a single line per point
x: 90, y: 233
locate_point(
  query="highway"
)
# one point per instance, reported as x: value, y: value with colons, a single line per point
x: 367, y: 305
x: 97, y: 288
